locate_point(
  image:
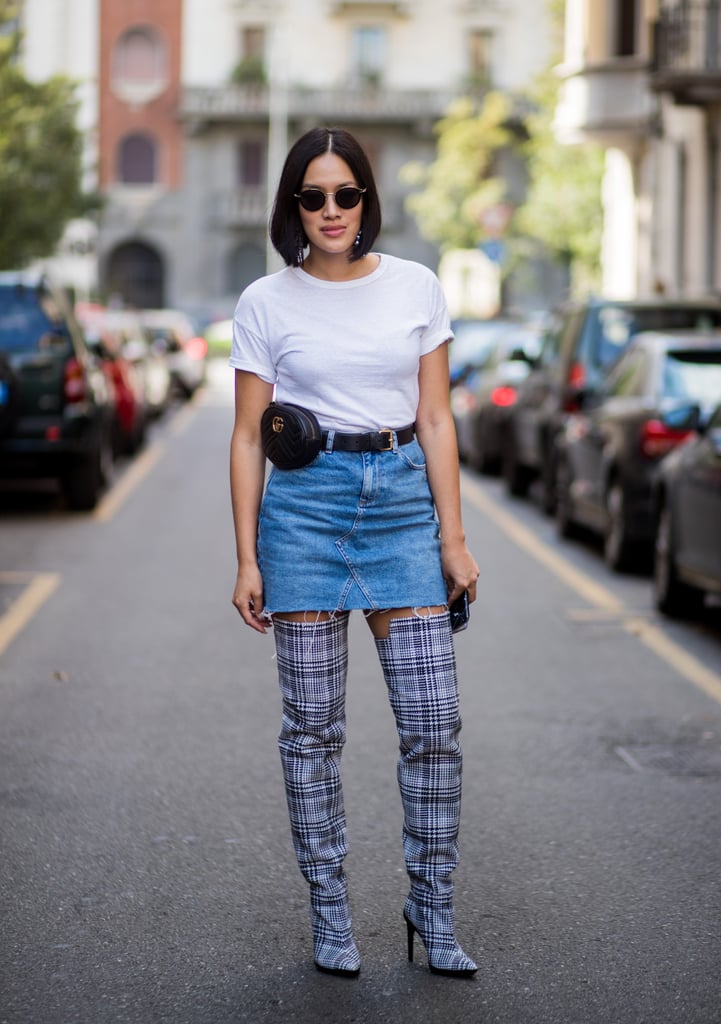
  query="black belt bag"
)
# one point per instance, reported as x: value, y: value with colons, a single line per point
x: 291, y: 436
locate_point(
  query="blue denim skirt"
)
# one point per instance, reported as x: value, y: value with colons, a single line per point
x: 351, y: 530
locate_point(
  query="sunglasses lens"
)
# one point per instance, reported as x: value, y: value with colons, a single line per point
x: 348, y: 197
x: 312, y: 199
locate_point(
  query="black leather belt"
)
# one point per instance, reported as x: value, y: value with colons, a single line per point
x: 373, y: 441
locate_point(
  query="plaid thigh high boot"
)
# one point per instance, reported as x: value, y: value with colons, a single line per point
x: 312, y: 664
x: 419, y: 667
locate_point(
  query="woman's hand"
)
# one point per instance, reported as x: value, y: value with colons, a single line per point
x: 248, y: 598
x: 460, y: 570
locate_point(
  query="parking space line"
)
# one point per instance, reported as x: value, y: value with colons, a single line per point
x: 688, y: 666
x: 131, y: 478
x: 38, y: 587
x: 143, y: 463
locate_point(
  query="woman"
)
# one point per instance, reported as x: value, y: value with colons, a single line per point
x: 373, y: 523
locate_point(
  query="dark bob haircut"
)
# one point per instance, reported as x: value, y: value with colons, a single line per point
x: 286, y: 228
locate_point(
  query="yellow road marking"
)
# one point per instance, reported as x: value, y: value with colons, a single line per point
x: 135, y: 473
x: 143, y: 463
x: 688, y: 666
x: 38, y: 588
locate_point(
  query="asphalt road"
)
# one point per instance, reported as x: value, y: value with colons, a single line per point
x: 146, y: 872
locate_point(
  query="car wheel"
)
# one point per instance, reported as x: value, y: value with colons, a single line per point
x: 548, y: 482
x: 8, y: 396
x: 616, y: 549
x: 565, y: 523
x: 516, y: 476
x: 672, y: 597
x: 137, y: 440
x: 86, y: 477
x: 479, y: 460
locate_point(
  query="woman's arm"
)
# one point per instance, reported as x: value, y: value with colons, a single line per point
x: 247, y: 477
x: 437, y: 437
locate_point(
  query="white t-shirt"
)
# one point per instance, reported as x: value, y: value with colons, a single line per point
x: 350, y: 350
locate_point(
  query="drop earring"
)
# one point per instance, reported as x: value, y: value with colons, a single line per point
x: 358, y: 239
x: 300, y: 251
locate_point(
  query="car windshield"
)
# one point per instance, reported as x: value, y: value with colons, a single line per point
x: 27, y: 318
x: 693, y: 375
x: 473, y: 339
x: 616, y: 325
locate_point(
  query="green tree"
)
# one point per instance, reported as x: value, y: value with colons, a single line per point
x: 457, y: 188
x: 560, y: 211
x: 40, y: 155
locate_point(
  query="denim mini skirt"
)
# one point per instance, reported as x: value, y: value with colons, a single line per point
x: 351, y: 530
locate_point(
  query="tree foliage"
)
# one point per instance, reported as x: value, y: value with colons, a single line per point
x: 561, y: 209
x: 459, y: 185
x: 40, y: 155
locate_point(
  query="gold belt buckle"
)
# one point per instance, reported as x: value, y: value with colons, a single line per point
x: 389, y: 442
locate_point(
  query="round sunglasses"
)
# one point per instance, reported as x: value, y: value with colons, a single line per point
x: 314, y: 199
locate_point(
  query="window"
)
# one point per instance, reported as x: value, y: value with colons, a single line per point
x: 369, y: 53
x: 139, y: 67
x: 693, y: 375
x: 250, y: 69
x: 251, y: 163
x: 137, y: 160
x: 628, y: 378
x: 253, y: 41
x: 625, y: 28
x: 480, y: 56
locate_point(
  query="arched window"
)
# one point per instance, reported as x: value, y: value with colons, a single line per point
x: 137, y: 160
x: 135, y: 273
x: 139, y: 66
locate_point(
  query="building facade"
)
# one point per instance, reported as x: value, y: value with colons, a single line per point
x: 643, y: 77
x: 189, y: 106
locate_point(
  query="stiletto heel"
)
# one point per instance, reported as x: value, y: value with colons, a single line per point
x: 411, y: 931
x: 445, y: 956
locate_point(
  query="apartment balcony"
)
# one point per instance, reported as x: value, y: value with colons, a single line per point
x: 687, y: 52
x: 203, y: 106
x: 239, y: 208
x: 401, y: 7
x: 610, y: 102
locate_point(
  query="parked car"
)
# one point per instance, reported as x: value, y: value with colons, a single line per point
x: 608, y: 453
x: 56, y: 406
x: 130, y: 342
x: 147, y: 355
x: 130, y: 417
x: 581, y: 344
x: 688, y: 521
x: 186, y: 349
x: 481, y: 404
x: 473, y: 339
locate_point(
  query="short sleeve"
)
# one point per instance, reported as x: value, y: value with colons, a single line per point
x: 438, y: 329
x: 249, y: 351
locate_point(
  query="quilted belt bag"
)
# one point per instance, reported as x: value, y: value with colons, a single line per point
x: 290, y: 435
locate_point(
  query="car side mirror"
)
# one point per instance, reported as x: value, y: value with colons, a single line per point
x: 682, y: 416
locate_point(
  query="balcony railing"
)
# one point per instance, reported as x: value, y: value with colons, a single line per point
x: 687, y: 51
x: 402, y: 7
x: 237, y: 103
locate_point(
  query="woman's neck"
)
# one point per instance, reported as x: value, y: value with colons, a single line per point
x: 338, y: 268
